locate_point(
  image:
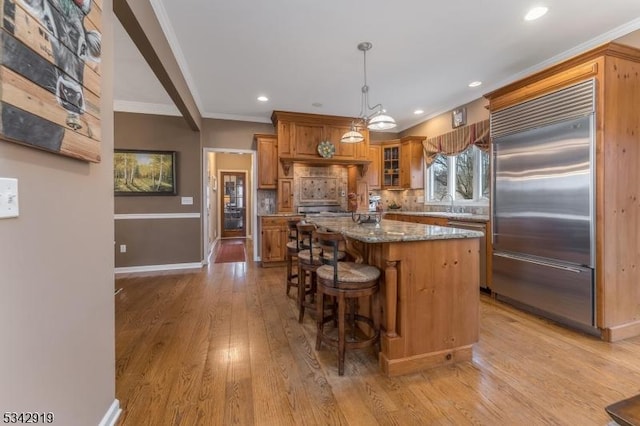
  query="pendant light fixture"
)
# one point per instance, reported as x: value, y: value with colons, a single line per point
x: 375, y: 118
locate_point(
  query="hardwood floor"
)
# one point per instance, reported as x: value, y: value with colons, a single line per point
x: 222, y: 346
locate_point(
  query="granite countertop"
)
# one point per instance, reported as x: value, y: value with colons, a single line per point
x: 279, y: 214
x: 449, y: 215
x: 391, y: 230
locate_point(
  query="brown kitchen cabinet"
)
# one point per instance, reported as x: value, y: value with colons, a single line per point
x: 267, y: 148
x: 411, y: 162
x: 391, y: 165
x: 426, y: 220
x: 285, y: 195
x: 402, y: 163
x: 299, y: 135
x: 374, y: 177
x: 274, y: 232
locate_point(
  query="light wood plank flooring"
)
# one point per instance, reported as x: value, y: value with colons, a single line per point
x: 222, y: 346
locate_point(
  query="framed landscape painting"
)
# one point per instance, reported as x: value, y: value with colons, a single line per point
x: 137, y: 172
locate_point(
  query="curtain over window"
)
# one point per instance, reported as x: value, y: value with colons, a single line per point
x: 457, y: 141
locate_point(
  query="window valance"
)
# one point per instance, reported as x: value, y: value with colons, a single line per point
x: 457, y: 141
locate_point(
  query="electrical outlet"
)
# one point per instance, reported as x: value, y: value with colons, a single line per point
x: 123, y: 248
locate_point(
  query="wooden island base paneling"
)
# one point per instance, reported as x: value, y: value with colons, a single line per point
x: 430, y: 302
x: 429, y: 290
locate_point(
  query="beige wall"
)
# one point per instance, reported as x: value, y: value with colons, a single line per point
x: 232, y: 134
x: 56, y: 261
x: 160, y: 241
x: 441, y: 124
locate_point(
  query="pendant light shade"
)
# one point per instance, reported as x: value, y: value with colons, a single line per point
x: 376, y: 120
x: 381, y: 121
x: 352, y: 136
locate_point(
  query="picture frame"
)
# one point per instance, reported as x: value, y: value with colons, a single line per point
x: 144, y: 172
x: 458, y: 117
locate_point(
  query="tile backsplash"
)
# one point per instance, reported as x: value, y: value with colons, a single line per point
x: 266, y: 202
x: 319, y: 185
x: 413, y: 200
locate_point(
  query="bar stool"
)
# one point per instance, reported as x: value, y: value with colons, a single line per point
x: 309, y: 259
x: 293, y: 247
x: 347, y: 282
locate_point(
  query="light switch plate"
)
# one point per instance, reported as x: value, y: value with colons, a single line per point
x: 187, y: 201
x: 8, y: 198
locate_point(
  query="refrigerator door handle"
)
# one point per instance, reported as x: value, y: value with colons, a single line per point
x: 540, y: 262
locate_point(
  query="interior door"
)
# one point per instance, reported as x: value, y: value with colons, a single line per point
x: 233, y: 202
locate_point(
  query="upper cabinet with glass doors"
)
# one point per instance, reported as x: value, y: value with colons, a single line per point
x: 402, y: 163
x: 391, y: 165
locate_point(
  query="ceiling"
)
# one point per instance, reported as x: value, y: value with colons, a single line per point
x: 303, y: 54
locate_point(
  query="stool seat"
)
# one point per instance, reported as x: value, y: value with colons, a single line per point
x: 349, y: 272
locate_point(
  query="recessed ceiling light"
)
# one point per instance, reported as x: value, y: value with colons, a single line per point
x: 418, y: 112
x: 475, y: 83
x: 535, y: 13
x: 263, y: 98
x: 317, y: 104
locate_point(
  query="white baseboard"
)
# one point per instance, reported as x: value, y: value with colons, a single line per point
x: 111, y: 416
x: 154, y: 268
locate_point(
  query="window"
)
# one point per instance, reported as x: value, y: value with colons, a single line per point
x: 463, y: 177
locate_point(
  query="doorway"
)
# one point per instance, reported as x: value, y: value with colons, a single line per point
x: 234, y: 202
x: 216, y: 161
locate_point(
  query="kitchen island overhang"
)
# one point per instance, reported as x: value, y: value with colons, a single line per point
x: 429, y: 289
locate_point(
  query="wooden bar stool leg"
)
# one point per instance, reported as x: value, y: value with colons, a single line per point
x: 302, y: 289
x: 319, y: 318
x: 290, y: 275
x: 352, y: 318
x: 341, y: 333
x: 376, y: 313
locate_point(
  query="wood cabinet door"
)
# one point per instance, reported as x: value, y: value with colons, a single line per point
x: 411, y: 164
x: 285, y: 195
x: 272, y: 244
x: 430, y: 220
x: 405, y: 162
x: 267, y: 162
x: 343, y: 150
x: 373, y: 171
x: 285, y: 147
x: 306, y: 138
x: 362, y: 194
x: 391, y: 166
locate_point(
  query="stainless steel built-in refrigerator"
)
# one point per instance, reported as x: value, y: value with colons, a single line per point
x: 543, y: 205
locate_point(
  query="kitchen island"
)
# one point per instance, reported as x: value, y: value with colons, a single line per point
x: 429, y: 291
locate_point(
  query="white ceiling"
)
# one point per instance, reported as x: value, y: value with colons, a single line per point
x: 301, y: 52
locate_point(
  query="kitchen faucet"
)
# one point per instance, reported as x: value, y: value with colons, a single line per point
x: 450, y: 208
